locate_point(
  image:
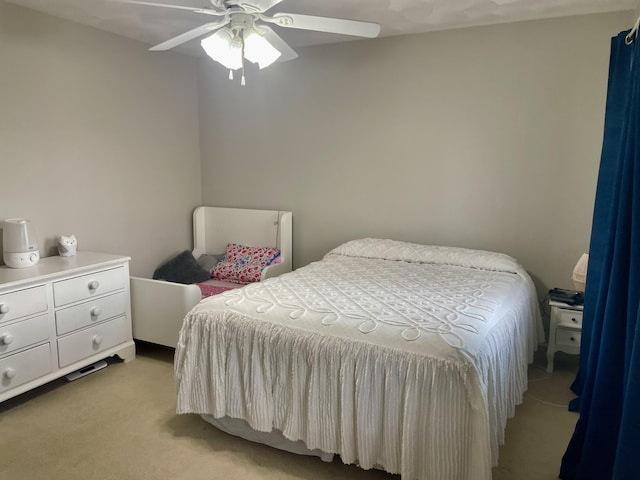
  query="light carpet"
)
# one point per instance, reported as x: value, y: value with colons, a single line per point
x: 120, y: 423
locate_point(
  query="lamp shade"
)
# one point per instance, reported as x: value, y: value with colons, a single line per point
x: 580, y: 272
x: 224, y: 48
x: 257, y: 49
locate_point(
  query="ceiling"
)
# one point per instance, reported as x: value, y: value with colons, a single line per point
x: 153, y: 25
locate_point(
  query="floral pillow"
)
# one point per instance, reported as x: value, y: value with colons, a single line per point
x: 243, y: 264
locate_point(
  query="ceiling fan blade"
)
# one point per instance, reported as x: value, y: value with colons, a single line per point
x: 324, y: 24
x: 286, y: 52
x: 190, y: 35
x: 258, y: 6
x: 206, y: 11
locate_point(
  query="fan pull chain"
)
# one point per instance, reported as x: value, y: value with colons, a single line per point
x: 242, y: 81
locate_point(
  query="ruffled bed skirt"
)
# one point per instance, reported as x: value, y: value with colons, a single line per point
x: 421, y: 417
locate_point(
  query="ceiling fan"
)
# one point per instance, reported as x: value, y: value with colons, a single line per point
x: 242, y: 31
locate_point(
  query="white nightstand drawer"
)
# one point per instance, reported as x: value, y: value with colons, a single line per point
x: 567, y: 337
x: 24, y: 367
x: 22, y: 334
x: 89, y: 313
x: 90, y: 341
x: 570, y: 318
x: 22, y: 303
x: 87, y: 286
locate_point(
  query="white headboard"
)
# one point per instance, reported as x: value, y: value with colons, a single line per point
x: 214, y: 227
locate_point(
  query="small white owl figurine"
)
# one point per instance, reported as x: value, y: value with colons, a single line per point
x: 67, y: 246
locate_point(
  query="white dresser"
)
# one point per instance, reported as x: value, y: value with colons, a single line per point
x: 61, y: 315
x: 565, y: 330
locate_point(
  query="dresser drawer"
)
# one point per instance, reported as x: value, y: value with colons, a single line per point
x: 570, y: 318
x: 568, y: 338
x: 16, y: 336
x: 90, y: 341
x: 24, y: 366
x: 22, y: 303
x: 88, y: 286
x: 89, y: 313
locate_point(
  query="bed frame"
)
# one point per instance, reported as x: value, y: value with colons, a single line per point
x: 158, y: 307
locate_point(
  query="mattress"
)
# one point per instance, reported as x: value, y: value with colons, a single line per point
x: 400, y: 356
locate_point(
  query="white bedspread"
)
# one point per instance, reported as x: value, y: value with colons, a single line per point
x: 396, y: 355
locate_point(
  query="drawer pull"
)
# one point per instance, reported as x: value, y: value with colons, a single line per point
x: 97, y: 340
x: 95, y: 311
x: 4, y: 308
x: 6, y: 339
x: 93, y: 285
x: 573, y: 319
x: 9, y: 373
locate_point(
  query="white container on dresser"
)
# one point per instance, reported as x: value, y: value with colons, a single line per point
x: 61, y: 315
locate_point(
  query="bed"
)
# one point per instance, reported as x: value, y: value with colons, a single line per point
x: 158, y: 307
x: 398, y: 356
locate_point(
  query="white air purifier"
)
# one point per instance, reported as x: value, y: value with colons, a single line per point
x: 20, y: 248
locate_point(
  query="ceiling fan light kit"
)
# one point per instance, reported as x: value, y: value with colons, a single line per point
x: 228, y: 47
x: 243, y: 39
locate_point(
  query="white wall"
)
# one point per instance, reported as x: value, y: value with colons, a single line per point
x: 483, y: 137
x: 98, y: 138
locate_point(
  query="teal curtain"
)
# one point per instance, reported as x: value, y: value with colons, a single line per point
x: 606, y: 442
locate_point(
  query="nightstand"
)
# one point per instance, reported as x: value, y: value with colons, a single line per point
x: 565, y: 329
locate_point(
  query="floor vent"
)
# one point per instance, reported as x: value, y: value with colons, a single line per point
x: 94, y: 367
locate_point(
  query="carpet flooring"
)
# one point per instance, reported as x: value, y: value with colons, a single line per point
x: 119, y: 423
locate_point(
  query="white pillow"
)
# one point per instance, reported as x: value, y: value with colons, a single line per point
x: 413, y: 252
